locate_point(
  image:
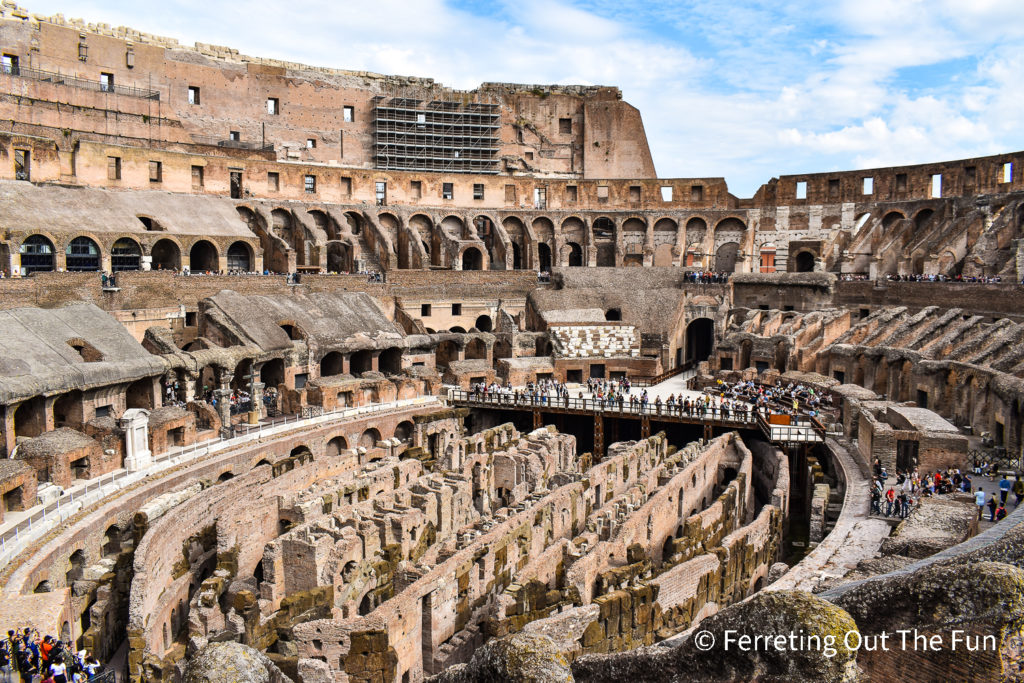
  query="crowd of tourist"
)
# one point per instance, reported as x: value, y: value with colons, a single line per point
x: 706, y: 277
x: 992, y: 279
x: 791, y: 399
x: 28, y: 657
x: 896, y: 498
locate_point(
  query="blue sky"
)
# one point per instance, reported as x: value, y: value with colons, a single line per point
x: 743, y: 90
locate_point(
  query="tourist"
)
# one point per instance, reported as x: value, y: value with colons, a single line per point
x: 1018, y: 490
x: 979, y: 500
x: 1004, y: 489
x: 992, y: 508
x: 1000, y: 513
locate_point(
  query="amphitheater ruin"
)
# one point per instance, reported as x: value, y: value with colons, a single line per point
x: 331, y: 376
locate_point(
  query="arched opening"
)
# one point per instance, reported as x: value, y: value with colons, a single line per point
x: 332, y: 364
x: 544, y: 257
x: 483, y: 323
x: 517, y: 257
x: 369, y: 438
x: 725, y: 257
x: 613, y: 314
x: 272, y: 373
x: 30, y: 417
x: 302, y: 452
x: 111, y: 542
x: 390, y: 361
x: 36, y: 255
x: 336, y: 445
x: 457, y: 329
x: 804, y: 262
x: 339, y: 257
x: 476, y: 349
x: 262, y: 463
x: 446, y: 352
x: 76, y: 567
x: 240, y: 257
x: 502, y: 349
x: 365, y: 605
x: 203, y: 257
x: 166, y: 255
x: 543, y: 347
x: 922, y: 218
x: 140, y: 394
x: 360, y: 362
x: 67, y: 410
x: 125, y: 254
x: 575, y: 254
x: 43, y: 587
x: 472, y: 259
x: 700, y: 340
x: 226, y: 476
x: 891, y: 219
x: 293, y: 331
x: 403, y: 432
x: 82, y: 254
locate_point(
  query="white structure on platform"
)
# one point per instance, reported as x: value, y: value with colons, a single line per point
x: 135, y: 423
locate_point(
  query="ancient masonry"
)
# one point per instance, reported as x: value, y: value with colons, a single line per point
x: 240, y: 297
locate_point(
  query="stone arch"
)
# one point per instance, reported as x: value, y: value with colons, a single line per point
x: 666, y: 224
x: 355, y: 222
x: 446, y: 352
x: 240, y: 257
x: 700, y: 340
x: 125, y: 254
x: 139, y: 394
x: 804, y: 262
x: 634, y: 224
x: 476, y: 349
x: 890, y: 219
x: 730, y: 224
x: 369, y: 438
x: 165, y: 254
x: 483, y: 323
x: 333, y: 363
x: 454, y: 227
x: 336, y: 445
x: 111, y: 542
x: 922, y: 217
x: 37, y: 255
x: 76, y: 567
x: 203, y: 257
x: 404, y: 431
x: 82, y: 254
x: 472, y: 259
x: 573, y: 254
x: 272, y: 372
x: 726, y: 256
x: 339, y: 257
x: 613, y: 314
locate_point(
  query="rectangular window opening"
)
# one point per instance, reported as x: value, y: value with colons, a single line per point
x: 416, y: 189
x: 447, y: 191
x: 156, y: 171
x: 456, y: 309
x: 937, y: 185
x: 565, y: 126
x: 113, y: 168
x: 197, y: 177
x: 310, y: 143
x: 510, y: 194
x: 234, y: 136
x: 478, y: 190
x: 346, y: 186
x: 1008, y: 172
x: 696, y: 193
x: 381, y: 192
x: 869, y: 186
x: 273, y: 181
x: 22, y: 163
x: 970, y: 175
x: 801, y: 189
x: 540, y: 198
x: 273, y: 106
x: 833, y: 187
x: 666, y: 193
x: 901, y: 182
x: 634, y: 193
x: 424, y: 310
x: 9, y: 65
x: 309, y: 183
x: 602, y: 194
x: 193, y: 94
x: 571, y: 193
x: 107, y: 82
x: 348, y: 114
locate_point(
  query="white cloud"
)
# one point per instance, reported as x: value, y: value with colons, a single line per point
x: 745, y: 91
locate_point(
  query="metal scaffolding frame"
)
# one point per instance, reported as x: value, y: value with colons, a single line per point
x: 434, y: 131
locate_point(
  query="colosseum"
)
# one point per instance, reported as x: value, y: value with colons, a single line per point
x: 330, y: 376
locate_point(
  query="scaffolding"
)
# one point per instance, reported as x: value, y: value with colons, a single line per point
x: 444, y: 135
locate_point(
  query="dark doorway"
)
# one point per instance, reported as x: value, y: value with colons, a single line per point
x: 575, y: 254
x: 804, y: 262
x: 203, y: 257
x: 544, y: 257
x: 236, y: 184
x: 483, y: 323
x: 906, y: 455
x: 725, y: 257
x: 472, y: 259
x: 597, y: 371
x: 700, y: 340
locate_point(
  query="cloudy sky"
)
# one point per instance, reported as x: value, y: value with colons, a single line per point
x: 740, y: 89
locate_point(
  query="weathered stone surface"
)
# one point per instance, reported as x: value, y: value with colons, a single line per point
x: 518, y: 658
x: 232, y: 663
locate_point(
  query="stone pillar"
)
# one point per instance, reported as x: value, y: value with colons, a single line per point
x: 223, y: 397
x: 256, y: 414
x: 135, y: 423
x: 8, y: 429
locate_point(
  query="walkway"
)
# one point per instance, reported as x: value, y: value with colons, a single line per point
x: 20, y: 530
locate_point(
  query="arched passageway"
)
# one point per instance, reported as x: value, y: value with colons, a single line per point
x: 202, y: 257
x: 472, y: 259
x: 700, y: 340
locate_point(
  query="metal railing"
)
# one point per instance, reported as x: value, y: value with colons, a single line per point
x: 76, y: 82
x: 802, y: 430
x: 742, y: 418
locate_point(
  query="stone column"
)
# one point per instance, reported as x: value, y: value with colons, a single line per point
x: 223, y: 397
x: 135, y: 423
x: 256, y: 414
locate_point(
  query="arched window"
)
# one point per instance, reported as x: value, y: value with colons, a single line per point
x: 36, y: 255
x: 82, y: 255
x: 125, y: 255
x: 239, y: 258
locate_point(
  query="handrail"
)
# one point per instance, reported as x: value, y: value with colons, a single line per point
x: 76, y: 82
